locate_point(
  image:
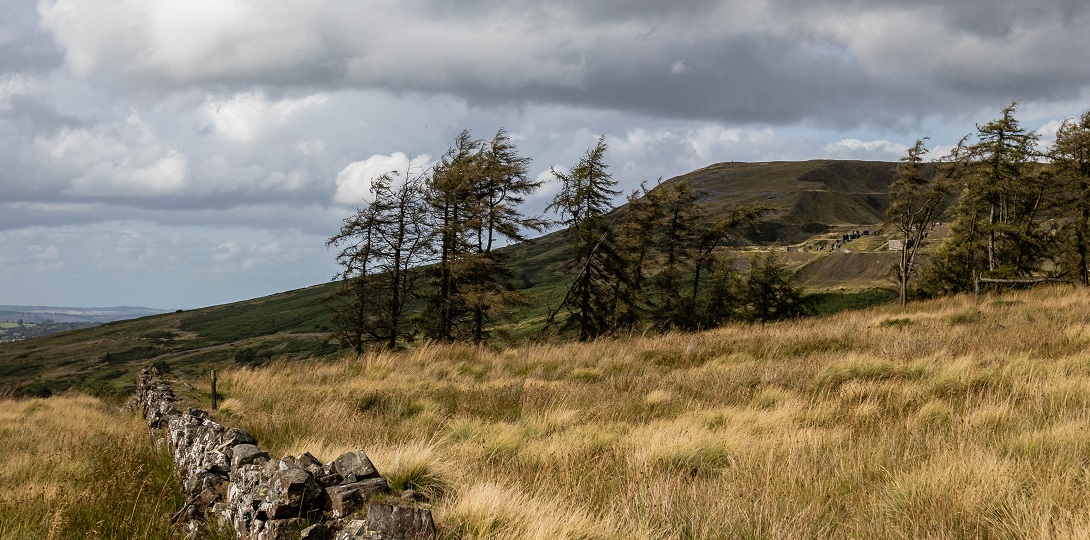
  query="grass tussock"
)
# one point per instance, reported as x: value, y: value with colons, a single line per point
x: 948, y: 419
x: 76, y: 467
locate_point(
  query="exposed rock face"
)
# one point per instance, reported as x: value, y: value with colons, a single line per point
x: 227, y: 477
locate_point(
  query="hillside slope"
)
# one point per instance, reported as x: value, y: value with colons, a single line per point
x: 812, y: 198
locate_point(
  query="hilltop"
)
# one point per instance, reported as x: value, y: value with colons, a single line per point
x: 814, y: 202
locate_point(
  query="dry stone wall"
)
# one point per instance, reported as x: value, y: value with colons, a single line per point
x: 227, y: 478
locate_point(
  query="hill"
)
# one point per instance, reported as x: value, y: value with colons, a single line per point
x: 810, y: 197
x: 815, y: 201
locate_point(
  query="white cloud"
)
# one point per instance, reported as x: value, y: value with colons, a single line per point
x: 45, y: 258
x: 311, y: 148
x: 1047, y: 135
x: 122, y: 158
x: 245, y: 117
x: 226, y: 251
x: 878, y: 150
x: 125, y: 178
x: 354, y: 181
x: 189, y: 40
x: 10, y: 86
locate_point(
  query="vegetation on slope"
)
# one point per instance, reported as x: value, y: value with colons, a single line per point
x: 104, y: 360
x: 947, y: 419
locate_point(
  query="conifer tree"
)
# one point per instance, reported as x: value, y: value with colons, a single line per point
x: 451, y: 200
x: 634, y: 242
x: 382, y: 243
x: 915, y: 201
x: 474, y: 194
x: 680, y: 224
x: 1071, y: 165
x: 502, y: 185
x: 586, y: 193
x: 995, y: 228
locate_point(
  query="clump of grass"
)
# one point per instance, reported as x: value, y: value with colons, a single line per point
x: 75, y: 467
x: 487, y: 510
x: 968, y: 316
x: 418, y: 467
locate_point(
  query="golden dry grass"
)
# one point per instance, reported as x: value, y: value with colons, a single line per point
x: 76, y: 467
x: 948, y: 419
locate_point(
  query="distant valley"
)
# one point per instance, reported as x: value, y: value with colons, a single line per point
x: 99, y: 315
x: 24, y: 322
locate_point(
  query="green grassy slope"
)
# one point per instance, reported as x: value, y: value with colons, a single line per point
x: 811, y: 198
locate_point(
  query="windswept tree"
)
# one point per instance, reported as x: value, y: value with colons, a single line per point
x: 916, y: 198
x: 451, y: 202
x: 381, y: 244
x: 585, y: 197
x: 1070, y: 156
x: 500, y: 188
x: 474, y: 195
x: 679, y: 226
x: 634, y: 243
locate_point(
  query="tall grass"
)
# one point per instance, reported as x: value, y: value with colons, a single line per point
x: 947, y: 419
x: 76, y: 467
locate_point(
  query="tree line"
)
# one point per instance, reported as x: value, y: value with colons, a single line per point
x: 420, y: 259
x: 1016, y: 212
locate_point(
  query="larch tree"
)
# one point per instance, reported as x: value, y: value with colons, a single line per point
x: 1070, y: 156
x: 585, y: 197
x: 452, y: 203
x: 916, y: 198
x: 679, y: 227
x: 996, y: 218
x: 474, y: 195
x: 382, y: 243
x: 500, y: 187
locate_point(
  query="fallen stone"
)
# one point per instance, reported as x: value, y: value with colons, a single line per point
x: 319, y: 531
x: 311, y: 464
x: 353, y: 530
x: 245, y: 454
x: 347, y: 498
x: 354, y: 466
x: 282, y: 529
x: 292, y: 492
x: 395, y: 522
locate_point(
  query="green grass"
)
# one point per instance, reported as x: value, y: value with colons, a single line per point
x: 827, y: 303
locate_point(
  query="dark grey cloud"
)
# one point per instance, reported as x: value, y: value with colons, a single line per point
x: 24, y: 46
x: 240, y: 123
x: 777, y: 61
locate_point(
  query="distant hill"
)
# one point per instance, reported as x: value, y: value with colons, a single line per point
x: 39, y: 314
x: 815, y: 201
x: 809, y: 196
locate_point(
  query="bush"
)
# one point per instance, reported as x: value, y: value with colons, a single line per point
x: 245, y: 356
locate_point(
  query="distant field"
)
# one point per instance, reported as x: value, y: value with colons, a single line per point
x: 948, y: 419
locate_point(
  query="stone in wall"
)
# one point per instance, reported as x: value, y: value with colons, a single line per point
x: 226, y: 477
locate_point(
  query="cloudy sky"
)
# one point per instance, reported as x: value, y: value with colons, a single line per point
x: 181, y: 154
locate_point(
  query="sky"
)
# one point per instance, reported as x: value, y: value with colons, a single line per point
x: 183, y: 154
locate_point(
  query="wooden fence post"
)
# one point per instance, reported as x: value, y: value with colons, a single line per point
x: 213, y: 389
